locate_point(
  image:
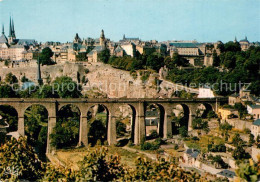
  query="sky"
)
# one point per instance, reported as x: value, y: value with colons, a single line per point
x: 162, y: 20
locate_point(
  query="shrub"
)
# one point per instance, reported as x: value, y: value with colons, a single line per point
x: 154, y: 134
x: 130, y: 143
x: 86, y: 70
x: 98, y: 142
x: 150, y: 146
x: 19, y: 156
x: 176, y: 147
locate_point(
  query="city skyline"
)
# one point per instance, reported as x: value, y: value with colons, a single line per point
x: 200, y: 20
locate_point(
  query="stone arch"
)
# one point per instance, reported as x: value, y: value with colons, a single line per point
x: 206, y: 109
x: 39, y: 137
x: 73, y: 112
x: 132, y: 115
x: 105, y: 124
x: 183, y: 112
x: 161, y: 115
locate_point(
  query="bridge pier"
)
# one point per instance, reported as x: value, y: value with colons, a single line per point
x: 167, y: 128
x: 111, y: 130
x: 140, y: 132
x: 21, y: 125
x: 51, y: 124
x: 83, y: 132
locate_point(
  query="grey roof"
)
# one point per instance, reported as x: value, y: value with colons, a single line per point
x: 234, y: 95
x: 255, y: 106
x: 118, y: 49
x: 26, y: 41
x: 257, y: 122
x: 3, y: 39
x: 97, y: 49
x: 193, y: 152
x: 185, y: 45
x: 227, y: 173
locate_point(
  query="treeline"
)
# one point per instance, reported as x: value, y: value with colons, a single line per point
x: 237, y: 67
x: 97, y: 165
x: 61, y: 87
x: 152, y: 61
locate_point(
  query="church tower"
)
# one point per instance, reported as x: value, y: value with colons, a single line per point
x: 11, y: 37
x: 102, y: 38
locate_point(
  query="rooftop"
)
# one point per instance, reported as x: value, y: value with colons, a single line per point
x: 255, y: 106
x: 227, y: 173
x: 257, y: 122
x: 192, y: 152
x: 184, y: 45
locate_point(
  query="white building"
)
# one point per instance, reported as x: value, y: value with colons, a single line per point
x: 129, y: 48
x: 206, y: 93
x: 255, y: 128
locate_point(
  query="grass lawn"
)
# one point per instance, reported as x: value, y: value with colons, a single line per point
x: 202, y: 144
x: 71, y: 157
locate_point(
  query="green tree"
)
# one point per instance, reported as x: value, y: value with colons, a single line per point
x: 10, y: 78
x: 45, y: 56
x: 66, y: 88
x: 179, y: 61
x: 225, y: 128
x: 98, y: 166
x: 241, y: 109
x: 104, y: 55
x: 18, y: 161
x: 249, y: 171
x: 251, y: 139
x: 6, y: 91
x: 155, y: 61
x: 24, y: 79
x: 97, y: 131
x: 183, y: 131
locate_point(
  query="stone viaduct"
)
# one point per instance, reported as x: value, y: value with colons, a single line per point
x: 138, y: 107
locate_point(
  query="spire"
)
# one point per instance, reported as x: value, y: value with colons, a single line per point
x: 102, y: 34
x: 245, y: 37
x: 10, y: 28
x: 39, y: 78
x: 13, y: 32
x: 235, y: 39
x: 3, y: 29
x: 124, y: 37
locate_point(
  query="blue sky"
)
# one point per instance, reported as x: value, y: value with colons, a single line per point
x: 203, y: 20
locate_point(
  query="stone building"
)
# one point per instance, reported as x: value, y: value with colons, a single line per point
x: 151, y: 121
x: 93, y: 54
x: 129, y: 48
x: 12, y: 48
x: 244, y: 44
x: 255, y: 128
x: 254, y: 110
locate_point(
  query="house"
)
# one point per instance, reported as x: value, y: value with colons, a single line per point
x: 129, y: 49
x: 244, y: 44
x: 190, y: 157
x: 254, y: 110
x: 151, y: 121
x: 226, y: 173
x: 233, y: 99
x: 227, y: 113
x: 255, y: 128
x: 206, y: 93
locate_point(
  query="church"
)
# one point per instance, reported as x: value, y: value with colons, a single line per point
x: 14, y: 49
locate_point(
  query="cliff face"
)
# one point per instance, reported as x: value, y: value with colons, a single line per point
x: 113, y: 82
